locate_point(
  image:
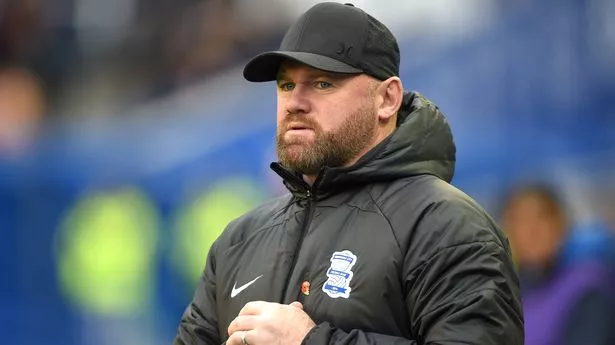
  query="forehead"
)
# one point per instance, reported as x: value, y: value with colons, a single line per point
x: 290, y: 68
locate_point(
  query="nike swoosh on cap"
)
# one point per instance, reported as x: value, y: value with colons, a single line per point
x: 236, y: 290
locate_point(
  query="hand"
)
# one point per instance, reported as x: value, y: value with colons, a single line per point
x: 265, y: 323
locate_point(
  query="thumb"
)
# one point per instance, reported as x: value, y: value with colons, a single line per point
x: 297, y: 305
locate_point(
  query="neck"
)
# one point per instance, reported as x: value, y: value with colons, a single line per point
x: 310, y: 179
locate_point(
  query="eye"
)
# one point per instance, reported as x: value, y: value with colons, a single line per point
x: 323, y: 85
x: 286, y: 86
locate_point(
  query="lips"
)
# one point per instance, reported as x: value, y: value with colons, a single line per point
x: 298, y: 126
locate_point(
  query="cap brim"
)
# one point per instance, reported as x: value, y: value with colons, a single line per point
x: 264, y: 67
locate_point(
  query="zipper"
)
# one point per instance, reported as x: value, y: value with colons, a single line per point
x: 304, y: 228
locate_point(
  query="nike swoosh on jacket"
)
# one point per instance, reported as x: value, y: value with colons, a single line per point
x: 236, y: 290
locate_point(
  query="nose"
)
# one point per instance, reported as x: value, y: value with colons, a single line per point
x: 297, y: 101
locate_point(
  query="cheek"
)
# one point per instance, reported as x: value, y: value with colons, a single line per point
x: 331, y: 117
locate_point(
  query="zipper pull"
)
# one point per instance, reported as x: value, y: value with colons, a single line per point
x: 309, y: 194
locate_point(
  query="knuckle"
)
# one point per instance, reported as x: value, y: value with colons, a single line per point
x: 237, y: 323
x: 248, y: 306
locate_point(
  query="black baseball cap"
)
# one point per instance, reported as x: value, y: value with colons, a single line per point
x: 333, y: 37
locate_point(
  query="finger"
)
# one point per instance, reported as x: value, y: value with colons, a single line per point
x: 297, y: 305
x: 253, y: 308
x: 234, y: 339
x: 249, y: 337
x: 242, y: 323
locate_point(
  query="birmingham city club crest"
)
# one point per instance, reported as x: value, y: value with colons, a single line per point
x: 340, y: 274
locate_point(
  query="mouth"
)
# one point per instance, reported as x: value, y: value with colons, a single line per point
x: 298, y: 127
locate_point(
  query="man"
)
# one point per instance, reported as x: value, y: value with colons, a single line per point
x: 372, y: 245
x: 567, y: 300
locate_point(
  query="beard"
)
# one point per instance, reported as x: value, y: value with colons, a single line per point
x: 328, y: 149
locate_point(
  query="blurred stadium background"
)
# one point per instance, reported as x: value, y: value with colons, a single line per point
x: 128, y: 138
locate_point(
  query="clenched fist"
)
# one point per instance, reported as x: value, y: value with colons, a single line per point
x: 266, y: 323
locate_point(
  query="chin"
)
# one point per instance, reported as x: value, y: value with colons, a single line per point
x: 294, y: 157
x: 296, y: 149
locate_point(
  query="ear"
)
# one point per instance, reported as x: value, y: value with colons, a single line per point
x: 391, y: 93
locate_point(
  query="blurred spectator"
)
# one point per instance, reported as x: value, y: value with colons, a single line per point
x: 35, y: 35
x: 22, y: 106
x: 565, y: 302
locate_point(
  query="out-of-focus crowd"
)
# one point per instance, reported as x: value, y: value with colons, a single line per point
x: 66, y: 58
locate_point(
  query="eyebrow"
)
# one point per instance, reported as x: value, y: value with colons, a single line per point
x: 282, y: 75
